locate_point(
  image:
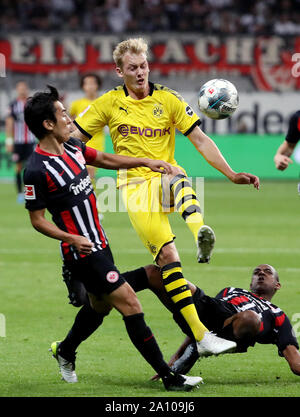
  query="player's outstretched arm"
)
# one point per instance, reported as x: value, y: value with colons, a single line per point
x: 211, y: 153
x: 282, y: 157
x: 292, y: 355
x: 113, y: 161
x: 42, y: 225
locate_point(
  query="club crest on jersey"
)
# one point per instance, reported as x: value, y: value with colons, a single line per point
x: 158, y: 110
x: 112, y: 277
x: 80, y: 158
x: 29, y: 192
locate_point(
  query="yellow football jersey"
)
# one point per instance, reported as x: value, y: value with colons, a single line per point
x: 76, y: 108
x: 140, y: 128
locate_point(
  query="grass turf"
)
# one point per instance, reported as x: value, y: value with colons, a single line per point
x: 251, y: 228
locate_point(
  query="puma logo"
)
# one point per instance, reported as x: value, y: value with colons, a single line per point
x: 125, y: 110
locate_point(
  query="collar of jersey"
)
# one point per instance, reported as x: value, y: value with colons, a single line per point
x: 41, y: 152
x: 151, y: 85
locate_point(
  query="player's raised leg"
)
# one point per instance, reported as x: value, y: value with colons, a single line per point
x: 187, y: 204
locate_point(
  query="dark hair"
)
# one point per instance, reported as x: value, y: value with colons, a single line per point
x: 91, y: 74
x: 38, y: 108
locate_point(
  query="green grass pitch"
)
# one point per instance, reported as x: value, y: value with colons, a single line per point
x: 251, y: 226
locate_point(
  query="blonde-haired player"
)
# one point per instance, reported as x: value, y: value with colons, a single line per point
x: 142, y: 118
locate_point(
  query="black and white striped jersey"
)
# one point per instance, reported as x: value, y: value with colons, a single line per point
x: 275, y: 325
x: 22, y: 134
x: 61, y: 184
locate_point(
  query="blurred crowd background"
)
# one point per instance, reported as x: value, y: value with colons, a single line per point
x: 115, y: 16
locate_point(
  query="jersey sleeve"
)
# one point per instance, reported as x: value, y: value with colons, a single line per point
x: 94, y: 117
x: 34, y: 190
x: 184, y: 117
x: 293, y: 133
x: 285, y: 333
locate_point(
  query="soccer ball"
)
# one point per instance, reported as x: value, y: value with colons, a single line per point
x: 218, y: 99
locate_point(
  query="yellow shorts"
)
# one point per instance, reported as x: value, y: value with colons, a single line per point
x: 148, y: 214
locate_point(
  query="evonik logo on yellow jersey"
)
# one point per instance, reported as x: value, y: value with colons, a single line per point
x: 125, y: 130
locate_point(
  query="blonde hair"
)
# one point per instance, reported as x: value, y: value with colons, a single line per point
x: 132, y: 45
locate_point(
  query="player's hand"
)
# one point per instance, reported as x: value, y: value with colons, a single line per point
x: 82, y: 244
x: 159, y: 166
x: 245, y: 178
x: 282, y: 162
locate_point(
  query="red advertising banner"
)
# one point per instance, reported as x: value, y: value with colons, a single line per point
x: 272, y: 63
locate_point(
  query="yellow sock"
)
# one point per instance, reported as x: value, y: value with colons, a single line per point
x: 187, y: 204
x: 179, y: 292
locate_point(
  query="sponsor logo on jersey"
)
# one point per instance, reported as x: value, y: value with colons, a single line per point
x: 112, y: 277
x: 125, y: 130
x: 84, y: 185
x: 29, y: 192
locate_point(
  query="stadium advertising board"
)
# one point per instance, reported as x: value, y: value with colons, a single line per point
x: 272, y: 63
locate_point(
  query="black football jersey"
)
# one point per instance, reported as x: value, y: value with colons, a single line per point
x: 275, y: 327
x: 61, y: 184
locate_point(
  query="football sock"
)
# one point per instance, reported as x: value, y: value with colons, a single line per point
x: 19, y: 182
x: 179, y: 292
x: 186, y: 203
x: 86, y: 322
x: 144, y: 341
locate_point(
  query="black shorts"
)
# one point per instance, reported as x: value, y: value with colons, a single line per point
x: 22, y: 151
x: 97, y: 272
x: 73, y: 271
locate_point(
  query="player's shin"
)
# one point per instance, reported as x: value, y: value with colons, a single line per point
x: 186, y: 203
x: 85, y: 323
x: 179, y: 292
x: 143, y: 339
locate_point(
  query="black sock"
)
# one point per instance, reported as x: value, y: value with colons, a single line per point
x: 86, y: 322
x: 143, y: 339
x: 19, y: 182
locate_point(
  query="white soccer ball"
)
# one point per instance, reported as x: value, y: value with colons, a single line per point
x: 218, y: 99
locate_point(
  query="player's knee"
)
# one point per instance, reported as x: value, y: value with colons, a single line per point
x: 247, y: 323
x: 130, y: 303
x: 168, y: 254
x: 133, y: 306
x: 154, y: 276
